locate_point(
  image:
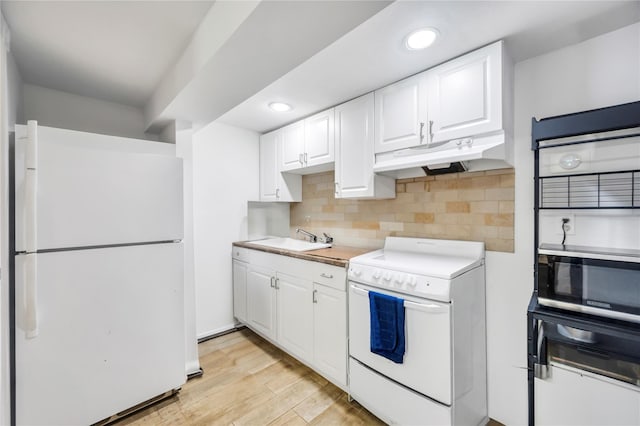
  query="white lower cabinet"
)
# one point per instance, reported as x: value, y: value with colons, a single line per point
x: 240, y: 290
x: 261, y: 300
x: 329, y: 332
x: 573, y: 397
x: 299, y: 305
x: 295, y: 316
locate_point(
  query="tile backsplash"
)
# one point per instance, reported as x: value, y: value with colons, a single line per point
x: 474, y: 206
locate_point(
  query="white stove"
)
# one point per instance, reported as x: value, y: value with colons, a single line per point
x: 442, y: 376
x: 417, y: 266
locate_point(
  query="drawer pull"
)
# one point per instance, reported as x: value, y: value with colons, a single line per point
x: 323, y: 275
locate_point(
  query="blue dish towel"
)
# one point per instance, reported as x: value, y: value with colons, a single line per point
x: 387, y: 326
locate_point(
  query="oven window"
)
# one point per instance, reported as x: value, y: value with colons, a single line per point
x: 568, y: 279
x: 605, y: 364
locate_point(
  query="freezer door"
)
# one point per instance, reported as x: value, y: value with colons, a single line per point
x: 76, y: 189
x: 110, y: 335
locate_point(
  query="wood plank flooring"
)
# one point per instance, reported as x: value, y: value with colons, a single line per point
x: 248, y: 381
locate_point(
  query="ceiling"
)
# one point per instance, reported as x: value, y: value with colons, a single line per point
x: 199, y: 61
x: 111, y: 50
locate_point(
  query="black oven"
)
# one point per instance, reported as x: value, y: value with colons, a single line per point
x: 605, y: 283
x: 597, y: 346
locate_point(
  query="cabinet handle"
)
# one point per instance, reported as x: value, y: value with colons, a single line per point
x: 272, y: 282
x: 337, y: 188
x: 305, y: 158
x: 315, y: 296
x: 277, y: 283
x: 421, y: 132
x: 277, y: 192
x: 430, y: 131
x: 300, y: 159
x: 323, y: 275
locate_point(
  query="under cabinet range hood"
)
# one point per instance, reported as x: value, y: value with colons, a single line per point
x: 467, y: 154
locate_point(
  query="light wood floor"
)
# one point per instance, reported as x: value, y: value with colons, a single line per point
x: 248, y: 381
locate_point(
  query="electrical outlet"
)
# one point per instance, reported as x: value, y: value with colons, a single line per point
x: 569, y: 226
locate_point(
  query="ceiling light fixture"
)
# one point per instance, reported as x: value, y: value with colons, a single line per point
x: 280, y: 106
x: 421, y: 39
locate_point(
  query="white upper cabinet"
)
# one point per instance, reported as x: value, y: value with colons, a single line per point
x: 274, y: 185
x: 292, y: 146
x: 319, y: 139
x: 354, y: 177
x: 308, y: 145
x: 401, y: 114
x: 465, y: 95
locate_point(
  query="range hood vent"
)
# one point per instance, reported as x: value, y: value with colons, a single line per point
x: 485, y: 152
x: 441, y: 169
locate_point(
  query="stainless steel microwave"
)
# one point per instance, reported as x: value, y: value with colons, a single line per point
x: 602, y: 282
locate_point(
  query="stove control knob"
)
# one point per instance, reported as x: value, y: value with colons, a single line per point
x: 399, y: 279
x: 377, y: 274
x: 411, y: 280
x: 387, y: 276
x: 356, y: 272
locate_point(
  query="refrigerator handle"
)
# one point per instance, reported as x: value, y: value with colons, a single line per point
x: 30, y: 274
x: 30, y: 202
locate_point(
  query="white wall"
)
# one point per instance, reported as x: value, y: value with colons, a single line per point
x: 14, y: 95
x: 181, y: 134
x: 225, y: 176
x: 600, y: 72
x: 68, y: 111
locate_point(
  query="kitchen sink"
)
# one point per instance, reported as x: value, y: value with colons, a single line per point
x: 290, y: 244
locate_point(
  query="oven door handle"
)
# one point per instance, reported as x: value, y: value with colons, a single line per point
x: 359, y: 290
x: 426, y: 307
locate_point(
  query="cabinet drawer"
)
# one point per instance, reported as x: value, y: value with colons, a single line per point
x: 329, y: 275
x: 240, y: 253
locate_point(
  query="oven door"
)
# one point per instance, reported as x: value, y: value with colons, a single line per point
x: 426, y: 367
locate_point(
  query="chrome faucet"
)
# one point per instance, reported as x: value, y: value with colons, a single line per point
x: 312, y: 238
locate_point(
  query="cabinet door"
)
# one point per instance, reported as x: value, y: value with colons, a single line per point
x: 465, y: 95
x: 330, y: 333
x: 274, y: 185
x: 319, y: 139
x: 240, y: 291
x: 401, y: 115
x: 261, y: 300
x: 354, y: 148
x: 269, y: 166
x: 292, y: 144
x: 569, y: 397
x: 295, y: 315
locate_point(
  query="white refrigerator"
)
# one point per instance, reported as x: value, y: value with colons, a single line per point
x: 98, y: 275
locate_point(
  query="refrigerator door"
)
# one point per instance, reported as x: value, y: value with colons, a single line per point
x: 111, y: 331
x: 76, y: 189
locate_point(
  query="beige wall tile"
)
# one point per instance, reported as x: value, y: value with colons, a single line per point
x: 443, y: 196
x: 466, y: 206
x: 415, y: 186
x: 391, y: 226
x: 499, y: 194
x: 498, y: 219
x: 457, y: 207
x: 424, y: 218
x: 484, y: 206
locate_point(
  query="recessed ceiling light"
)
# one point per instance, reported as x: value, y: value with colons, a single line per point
x: 421, y: 39
x: 280, y: 106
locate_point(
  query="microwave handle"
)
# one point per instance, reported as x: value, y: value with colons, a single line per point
x: 541, y: 367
